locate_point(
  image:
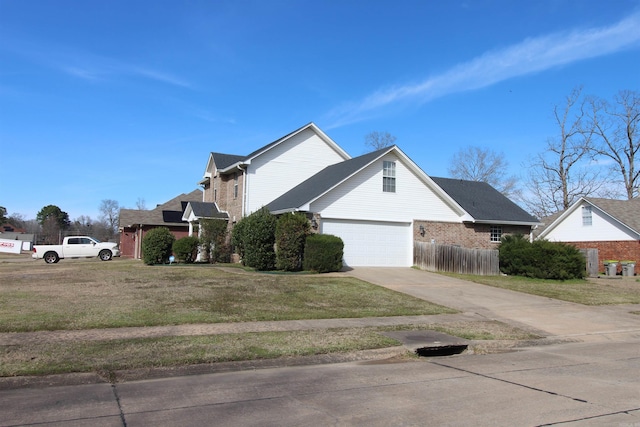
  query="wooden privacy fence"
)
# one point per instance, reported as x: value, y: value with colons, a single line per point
x: 454, y: 259
x: 593, y: 264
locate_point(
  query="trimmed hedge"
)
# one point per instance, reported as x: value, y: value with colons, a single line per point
x: 291, y: 233
x: 214, y: 240
x: 541, y: 259
x: 157, y: 245
x: 323, y: 253
x: 254, y: 237
x: 186, y: 249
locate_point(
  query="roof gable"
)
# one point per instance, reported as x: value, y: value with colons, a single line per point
x: 623, y: 212
x: 627, y: 212
x: 311, y: 126
x: 318, y: 185
x: 227, y: 162
x: 206, y: 210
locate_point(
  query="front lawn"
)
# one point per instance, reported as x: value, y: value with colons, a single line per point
x: 587, y: 292
x: 89, y: 294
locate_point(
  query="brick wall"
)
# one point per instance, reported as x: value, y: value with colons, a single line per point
x: 467, y: 235
x: 613, y: 250
x: 223, y: 188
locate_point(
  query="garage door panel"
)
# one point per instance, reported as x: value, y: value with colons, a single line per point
x: 368, y: 243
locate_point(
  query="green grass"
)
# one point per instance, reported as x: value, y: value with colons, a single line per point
x: 94, y: 294
x: 587, y: 292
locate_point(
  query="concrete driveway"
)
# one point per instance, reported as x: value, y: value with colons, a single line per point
x: 553, y: 317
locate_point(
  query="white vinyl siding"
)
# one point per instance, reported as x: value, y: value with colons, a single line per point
x: 602, y: 228
x: 380, y: 244
x: 286, y: 165
x: 359, y: 198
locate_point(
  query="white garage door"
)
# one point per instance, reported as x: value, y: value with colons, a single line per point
x: 368, y: 243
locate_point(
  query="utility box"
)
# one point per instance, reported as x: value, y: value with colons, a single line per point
x: 611, y: 267
x: 628, y: 268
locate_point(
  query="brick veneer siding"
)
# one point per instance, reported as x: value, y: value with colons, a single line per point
x: 613, y: 250
x: 467, y: 235
x: 220, y: 191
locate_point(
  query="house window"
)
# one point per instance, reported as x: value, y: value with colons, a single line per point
x: 587, y: 220
x: 215, y: 194
x: 496, y: 233
x: 235, y: 185
x: 389, y: 177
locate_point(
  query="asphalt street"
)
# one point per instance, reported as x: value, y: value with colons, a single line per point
x: 589, y: 377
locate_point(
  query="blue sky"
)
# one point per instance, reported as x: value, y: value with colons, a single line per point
x: 125, y: 99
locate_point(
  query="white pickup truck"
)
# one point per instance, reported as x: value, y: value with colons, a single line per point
x: 76, y: 247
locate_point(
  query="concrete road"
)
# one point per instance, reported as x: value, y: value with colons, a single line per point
x: 585, y: 384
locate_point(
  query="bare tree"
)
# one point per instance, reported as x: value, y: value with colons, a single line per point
x: 379, y: 140
x: 83, y: 225
x: 141, y: 205
x: 483, y: 165
x: 617, y: 131
x: 109, y: 214
x: 560, y: 175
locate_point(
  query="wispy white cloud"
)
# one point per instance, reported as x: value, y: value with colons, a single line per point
x: 530, y: 56
x: 160, y: 76
x: 87, y: 65
x: 95, y: 68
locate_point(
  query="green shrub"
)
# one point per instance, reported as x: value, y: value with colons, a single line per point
x: 186, y: 249
x: 156, y: 246
x: 238, y: 236
x: 214, y: 240
x: 323, y: 253
x: 257, y: 240
x: 291, y: 232
x: 541, y: 259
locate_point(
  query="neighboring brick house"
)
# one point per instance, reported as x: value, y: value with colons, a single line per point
x: 134, y: 224
x: 609, y: 225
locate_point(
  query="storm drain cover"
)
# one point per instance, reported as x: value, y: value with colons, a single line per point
x: 429, y: 343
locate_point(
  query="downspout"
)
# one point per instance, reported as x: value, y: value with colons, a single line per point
x: 139, y: 243
x: 245, y: 192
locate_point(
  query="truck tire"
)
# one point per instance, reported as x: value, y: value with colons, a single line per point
x: 51, y: 257
x: 105, y: 255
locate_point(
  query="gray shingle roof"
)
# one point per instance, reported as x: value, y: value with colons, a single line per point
x: 483, y: 202
x: 321, y: 182
x: 207, y: 210
x: 168, y: 213
x: 223, y: 161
